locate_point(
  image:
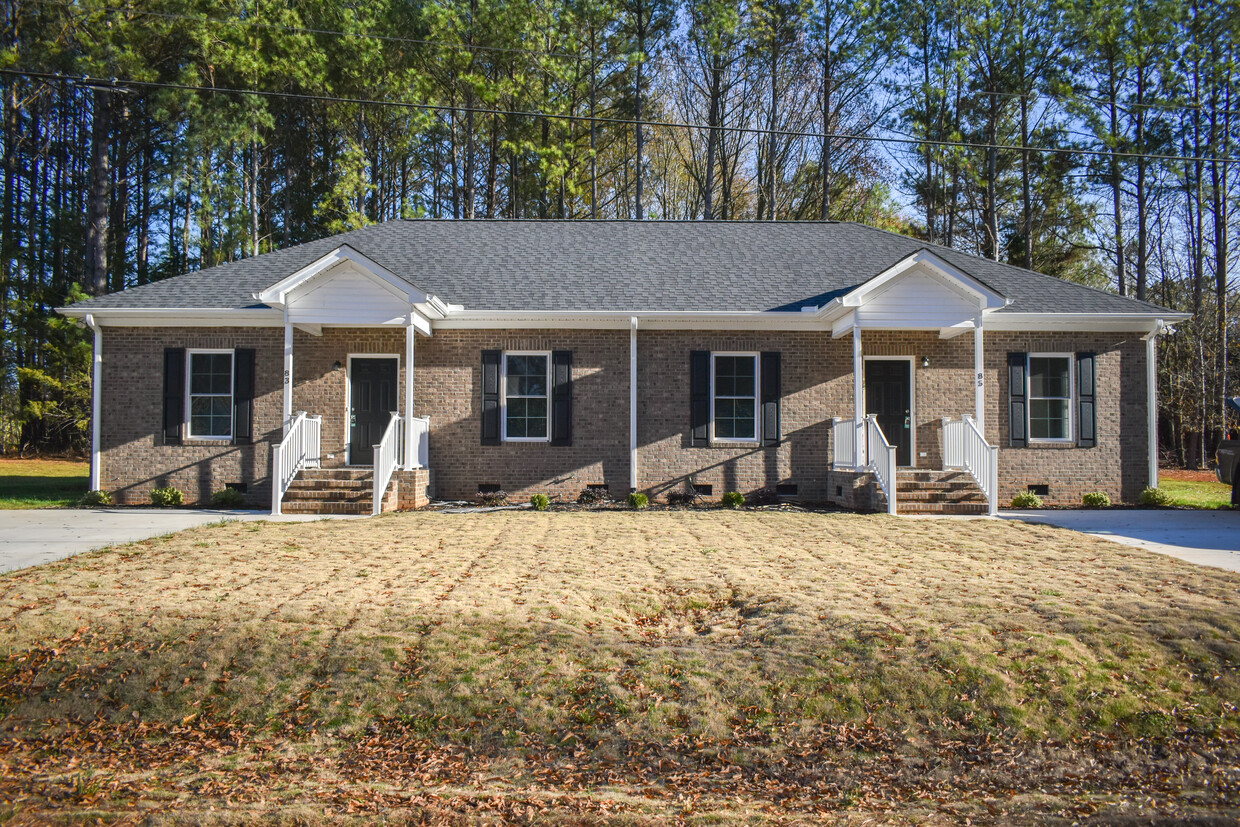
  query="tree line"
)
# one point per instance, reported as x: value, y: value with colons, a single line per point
x: 1092, y: 141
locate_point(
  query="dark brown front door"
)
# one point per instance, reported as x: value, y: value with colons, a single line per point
x: 888, y: 395
x: 372, y: 392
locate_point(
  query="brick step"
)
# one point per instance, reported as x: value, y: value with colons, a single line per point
x: 942, y: 508
x: 320, y: 507
x: 304, y: 495
x: 909, y: 485
x: 359, y: 473
x: 939, y: 497
x: 331, y: 485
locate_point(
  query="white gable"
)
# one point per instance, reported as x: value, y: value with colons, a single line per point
x: 917, y: 299
x: 344, y: 294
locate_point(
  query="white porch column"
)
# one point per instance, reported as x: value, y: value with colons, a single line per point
x: 411, y: 442
x: 96, y: 398
x: 632, y: 403
x: 979, y: 377
x: 288, y: 372
x: 1151, y: 400
x: 861, y: 454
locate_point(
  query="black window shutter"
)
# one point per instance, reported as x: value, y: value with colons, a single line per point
x: 1017, y: 403
x: 561, y: 397
x: 243, y: 395
x: 490, y: 397
x: 174, y: 394
x: 771, y: 381
x: 1087, y: 410
x: 699, y: 397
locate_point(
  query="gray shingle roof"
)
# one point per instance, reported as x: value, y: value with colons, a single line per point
x: 622, y: 266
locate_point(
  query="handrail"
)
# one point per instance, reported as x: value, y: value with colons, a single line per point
x: 980, y: 459
x: 882, y: 460
x: 299, y: 449
x: 387, y: 457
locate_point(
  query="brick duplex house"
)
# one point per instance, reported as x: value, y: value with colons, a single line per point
x: 818, y: 361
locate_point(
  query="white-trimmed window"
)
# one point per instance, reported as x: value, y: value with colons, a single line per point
x: 526, y: 396
x: 1050, y: 397
x: 209, y: 394
x: 734, y: 397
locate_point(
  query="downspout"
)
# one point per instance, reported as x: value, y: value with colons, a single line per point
x: 1151, y: 400
x: 96, y: 397
x: 632, y: 404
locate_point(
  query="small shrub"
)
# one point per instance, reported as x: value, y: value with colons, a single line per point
x: 228, y: 498
x: 540, y: 502
x: 763, y: 496
x: 1096, y: 499
x: 733, y: 499
x: 1154, y: 496
x: 592, y: 496
x: 492, y: 499
x: 1026, y: 499
x: 637, y: 501
x: 167, y: 497
x: 681, y: 498
x: 96, y: 497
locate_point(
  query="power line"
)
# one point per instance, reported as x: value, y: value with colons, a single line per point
x: 653, y: 62
x: 124, y: 85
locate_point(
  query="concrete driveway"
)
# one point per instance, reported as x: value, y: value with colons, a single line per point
x: 29, y: 537
x: 1208, y: 538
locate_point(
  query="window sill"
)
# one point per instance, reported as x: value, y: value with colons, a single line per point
x: 735, y: 443
x: 1052, y: 443
x: 207, y: 440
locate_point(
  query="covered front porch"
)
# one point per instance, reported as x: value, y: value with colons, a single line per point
x: 350, y: 433
x: 879, y: 442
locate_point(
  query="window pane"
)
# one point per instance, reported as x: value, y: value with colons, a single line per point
x: 1049, y: 376
x: 527, y: 375
x: 1048, y: 418
x: 734, y: 376
x: 734, y: 419
x: 527, y: 419
x: 210, y: 373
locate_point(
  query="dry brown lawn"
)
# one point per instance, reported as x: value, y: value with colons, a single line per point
x: 710, y: 666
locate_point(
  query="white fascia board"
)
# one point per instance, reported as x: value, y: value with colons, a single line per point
x: 277, y: 294
x: 180, y: 317
x: 952, y: 277
x: 621, y: 320
x: 1081, y: 322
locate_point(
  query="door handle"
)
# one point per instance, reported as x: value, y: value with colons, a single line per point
x: 906, y: 422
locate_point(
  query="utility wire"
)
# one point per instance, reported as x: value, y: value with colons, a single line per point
x: 654, y: 62
x: 117, y: 84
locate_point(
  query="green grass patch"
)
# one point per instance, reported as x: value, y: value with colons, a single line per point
x: 42, y: 483
x: 1197, y: 494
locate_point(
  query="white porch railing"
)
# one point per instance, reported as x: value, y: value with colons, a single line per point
x: 844, y: 440
x: 421, y: 427
x: 981, y: 461
x: 953, y: 443
x: 299, y: 449
x: 882, y: 460
x: 387, y: 457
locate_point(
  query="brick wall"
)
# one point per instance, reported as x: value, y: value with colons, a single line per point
x: 448, y: 389
x: 817, y: 384
x: 134, y: 458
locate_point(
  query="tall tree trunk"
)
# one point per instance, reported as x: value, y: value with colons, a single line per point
x: 97, y: 206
